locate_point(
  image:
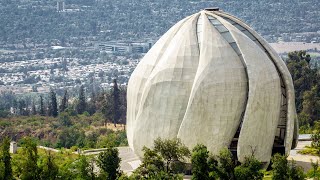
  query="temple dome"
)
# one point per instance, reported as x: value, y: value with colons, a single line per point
x: 211, y: 79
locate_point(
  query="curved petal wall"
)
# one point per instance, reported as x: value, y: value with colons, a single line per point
x: 207, y: 79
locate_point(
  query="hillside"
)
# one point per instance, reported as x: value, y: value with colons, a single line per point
x: 39, y: 21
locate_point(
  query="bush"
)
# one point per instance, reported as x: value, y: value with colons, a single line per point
x: 199, y: 160
x: 4, y: 113
x: 109, y: 163
x: 283, y: 170
x: 113, y: 139
x: 249, y: 169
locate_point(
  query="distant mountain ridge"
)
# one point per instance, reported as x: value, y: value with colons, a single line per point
x: 39, y: 20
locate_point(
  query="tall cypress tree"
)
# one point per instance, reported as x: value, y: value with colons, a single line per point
x: 64, y: 101
x: 49, y: 107
x: 54, y: 106
x: 6, y: 158
x: 116, y: 102
x: 81, y: 106
x: 33, y: 109
x: 42, y: 112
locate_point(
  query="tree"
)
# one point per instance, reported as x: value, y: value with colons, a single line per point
x: 85, y: 168
x: 29, y: 166
x: 23, y: 108
x: 109, y: 162
x: 81, y: 106
x: 311, y: 103
x: 315, y: 137
x: 107, y: 106
x: 305, y: 79
x: 116, y: 102
x: 282, y: 170
x: 49, y: 169
x: 295, y: 172
x: 64, y: 101
x: 49, y: 107
x: 33, y: 109
x: 123, y: 105
x: 226, y: 165
x: 42, y: 111
x: 153, y: 167
x: 54, y: 105
x: 249, y: 169
x: 152, y: 163
x: 314, y: 172
x: 70, y: 137
x: 279, y: 167
x: 164, y: 161
x: 64, y: 119
x: 6, y: 159
x: 199, y: 160
x: 172, y: 151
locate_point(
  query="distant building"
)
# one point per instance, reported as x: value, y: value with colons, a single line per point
x: 124, y: 48
x: 60, y: 5
x: 13, y: 147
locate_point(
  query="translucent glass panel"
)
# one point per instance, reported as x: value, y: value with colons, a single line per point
x: 245, y: 31
x: 200, y: 29
x: 225, y: 34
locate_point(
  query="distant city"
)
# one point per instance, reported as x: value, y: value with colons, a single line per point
x: 65, y: 43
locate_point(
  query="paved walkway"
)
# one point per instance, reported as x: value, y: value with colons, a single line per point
x: 303, y: 160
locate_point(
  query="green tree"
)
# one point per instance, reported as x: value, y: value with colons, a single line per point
x: 226, y: 165
x: 249, y: 169
x: 116, y: 102
x: 6, y: 159
x: 295, y: 172
x: 29, y: 164
x: 279, y: 167
x: 107, y: 106
x: 69, y: 137
x: 85, y: 167
x: 82, y: 104
x: 283, y: 170
x: 109, y: 163
x: 305, y: 79
x: 314, y: 172
x: 64, y: 119
x: 64, y: 101
x: 42, y: 111
x: 311, y: 103
x: 173, y: 152
x: 49, y: 169
x: 54, y: 105
x: 33, y: 109
x: 315, y: 137
x: 152, y: 164
x: 199, y: 160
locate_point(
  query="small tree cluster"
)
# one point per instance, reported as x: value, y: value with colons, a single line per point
x: 5, y: 160
x: 283, y: 169
x: 164, y: 161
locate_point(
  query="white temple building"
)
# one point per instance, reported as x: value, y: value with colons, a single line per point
x: 211, y: 79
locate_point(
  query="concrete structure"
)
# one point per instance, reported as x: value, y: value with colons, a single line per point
x: 60, y: 5
x: 123, y: 47
x: 13, y: 147
x: 211, y: 79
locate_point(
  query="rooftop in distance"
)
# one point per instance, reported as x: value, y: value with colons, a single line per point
x: 212, y: 9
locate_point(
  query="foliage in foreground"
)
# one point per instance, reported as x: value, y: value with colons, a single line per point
x: 166, y: 160
x: 283, y: 169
